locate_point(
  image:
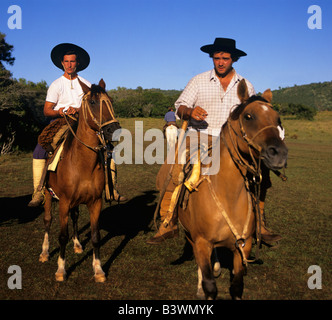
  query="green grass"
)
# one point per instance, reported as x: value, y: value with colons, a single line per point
x: 299, y: 209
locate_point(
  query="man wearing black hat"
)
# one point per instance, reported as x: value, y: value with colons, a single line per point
x: 63, y: 96
x: 206, y: 103
x: 210, y: 96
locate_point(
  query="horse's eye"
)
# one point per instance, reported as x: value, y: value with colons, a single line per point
x: 248, y: 116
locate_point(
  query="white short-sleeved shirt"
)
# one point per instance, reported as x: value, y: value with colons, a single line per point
x: 66, y: 93
x: 206, y: 91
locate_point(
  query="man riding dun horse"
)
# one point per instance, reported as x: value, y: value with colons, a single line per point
x: 205, y: 104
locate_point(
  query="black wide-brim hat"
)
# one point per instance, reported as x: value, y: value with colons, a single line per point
x: 61, y: 49
x: 223, y: 44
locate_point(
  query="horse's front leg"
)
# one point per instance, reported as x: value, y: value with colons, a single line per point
x: 239, y: 270
x: 200, y: 292
x: 47, y: 224
x: 60, y: 275
x: 202, y: 250
x: 74, y: 216
x: 94, y: 210
x: 216, y: 273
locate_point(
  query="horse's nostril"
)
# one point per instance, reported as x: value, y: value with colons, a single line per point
x: 272, y: 151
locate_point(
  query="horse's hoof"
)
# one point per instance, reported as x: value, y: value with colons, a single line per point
x: 43, y: 257
x: 100, y: 278
x: 60, y: 276
x: 78, y: 249
x: 200, y: 294
x: 217, y: 273
x: 77, y: 246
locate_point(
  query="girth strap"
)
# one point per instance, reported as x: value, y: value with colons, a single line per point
x: 238, y: 238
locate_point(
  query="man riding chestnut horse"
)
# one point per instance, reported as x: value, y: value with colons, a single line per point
x: 64, y: 98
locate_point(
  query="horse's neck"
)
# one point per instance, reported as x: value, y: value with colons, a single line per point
x: 229, y: 183
x: 86, y: 137
x: 229, y: 172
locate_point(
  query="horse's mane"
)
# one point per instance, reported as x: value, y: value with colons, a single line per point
x: 95, y: 89
x: 239, y: 109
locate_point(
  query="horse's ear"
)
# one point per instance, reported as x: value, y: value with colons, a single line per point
x: 242, y: 91
x: 102, y: 83
x: 85, y: 88
x: 267, y: 95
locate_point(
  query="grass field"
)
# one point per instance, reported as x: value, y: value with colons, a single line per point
x: 299, y: 209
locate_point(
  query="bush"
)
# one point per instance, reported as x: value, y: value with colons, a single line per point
x: 141, y: 102
x: 298, y: 111
x: 302, y: 112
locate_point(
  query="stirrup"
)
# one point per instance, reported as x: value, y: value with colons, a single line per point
x: 172, y: 205
x: 191, y: 183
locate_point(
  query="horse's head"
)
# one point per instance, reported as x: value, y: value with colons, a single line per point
x: 98, y: 111
x: 258, y: 128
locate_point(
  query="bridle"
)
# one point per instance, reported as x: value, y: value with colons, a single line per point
x: 86, y: 111
x: 255, y: 169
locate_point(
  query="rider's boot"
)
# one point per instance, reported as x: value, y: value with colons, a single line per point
x: 168, y: 228
x: 267, y: 236
x: 38, y: 166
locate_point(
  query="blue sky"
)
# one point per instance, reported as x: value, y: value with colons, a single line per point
x: 156, y: 43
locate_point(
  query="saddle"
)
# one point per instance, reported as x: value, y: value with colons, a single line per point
x: 187, y: 179
x: 55, y: 133
x: 53, y: 138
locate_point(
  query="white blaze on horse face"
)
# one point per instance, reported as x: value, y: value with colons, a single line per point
x: 280, y: 128
x: 281, y: 132
x: 265, y: 108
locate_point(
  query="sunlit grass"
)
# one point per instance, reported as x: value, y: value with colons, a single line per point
x: 299, y: 209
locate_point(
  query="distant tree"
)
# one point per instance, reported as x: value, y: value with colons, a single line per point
x: 302, y: 112
x: 296, y: 111
x: 316, y: 95
x: 5, y: 51
x: 21, y: 105
x: 141, y: 102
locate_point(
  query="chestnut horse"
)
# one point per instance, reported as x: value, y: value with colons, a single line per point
x: 80, y: 177
x: 222, y: 213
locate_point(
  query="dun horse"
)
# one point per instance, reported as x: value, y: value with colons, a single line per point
x: 222, y: 213
x: 80, y: 178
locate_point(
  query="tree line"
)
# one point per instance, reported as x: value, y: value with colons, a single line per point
x: 139, y: 102
x: 22, y: 102
x: 315, y: 95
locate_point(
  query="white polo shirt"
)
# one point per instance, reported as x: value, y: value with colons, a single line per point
x: 66, y: 93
